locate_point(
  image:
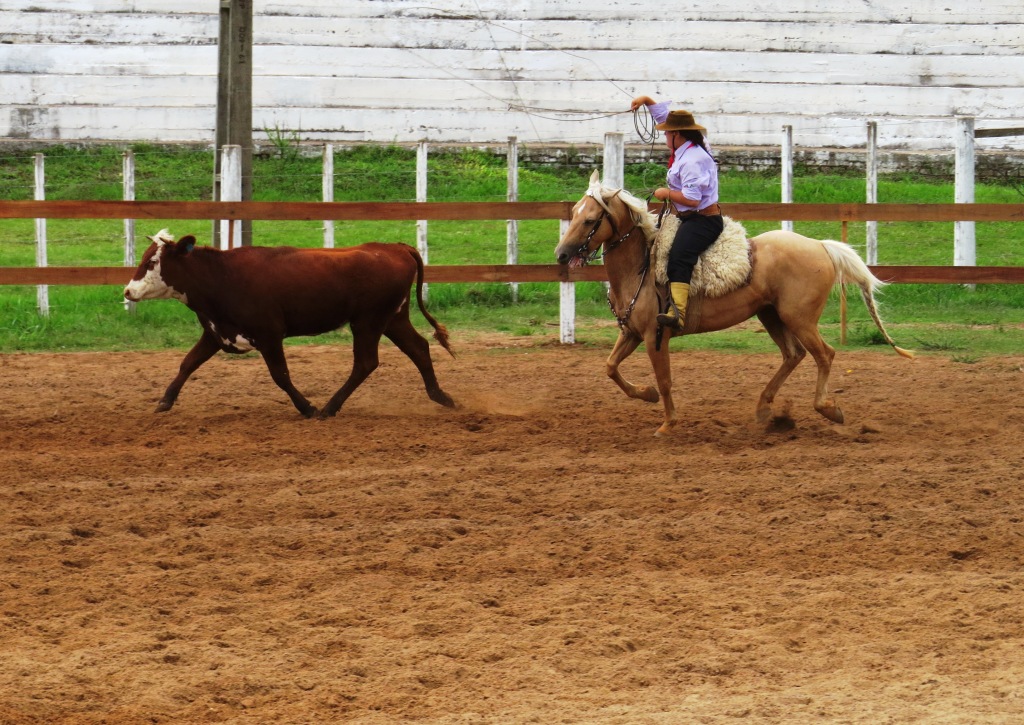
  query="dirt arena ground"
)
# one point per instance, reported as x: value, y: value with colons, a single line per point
x: 536, y: 556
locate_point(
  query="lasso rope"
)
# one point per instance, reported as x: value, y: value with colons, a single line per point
x: 644, y: 125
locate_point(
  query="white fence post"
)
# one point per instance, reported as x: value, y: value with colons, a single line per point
x: 128, y: 184
x: 787, y: 171
x: 512, y: 225
x: 328, y: 190
x: 871, y: 227
x: 421, y: 196
x: 614, y: 160
x: 614, y: 166
x: 231, y: 190
x: 42, y: 291
x: 964, y: 253
x: 566, y: 301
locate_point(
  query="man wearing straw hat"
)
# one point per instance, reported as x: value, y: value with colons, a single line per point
x: 693, y: 191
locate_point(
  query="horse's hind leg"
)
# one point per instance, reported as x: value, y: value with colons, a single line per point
x: 662, y: 365
x: 823, y: 354
x: 792, y: 353
x: 624, y: 347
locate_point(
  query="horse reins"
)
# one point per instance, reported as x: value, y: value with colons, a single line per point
x: 610, y: 247
x: 624, y: 320
x: 583, y: 251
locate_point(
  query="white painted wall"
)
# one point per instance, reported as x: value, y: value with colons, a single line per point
x: 552, y: 71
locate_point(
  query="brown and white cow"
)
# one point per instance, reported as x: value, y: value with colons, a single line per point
x: 251, y: 298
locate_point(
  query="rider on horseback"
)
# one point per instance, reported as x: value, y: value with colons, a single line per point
x: 693, y: 190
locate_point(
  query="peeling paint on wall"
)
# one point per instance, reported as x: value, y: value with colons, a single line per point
x: 480, y: 71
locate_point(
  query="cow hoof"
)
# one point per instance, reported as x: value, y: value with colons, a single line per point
x: 442, y: 398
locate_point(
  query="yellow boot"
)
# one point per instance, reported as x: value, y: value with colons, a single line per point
x: 676, y: 314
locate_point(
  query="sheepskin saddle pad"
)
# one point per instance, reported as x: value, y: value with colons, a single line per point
x: 722, y: 268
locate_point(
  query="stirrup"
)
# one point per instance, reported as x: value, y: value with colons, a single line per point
x: 667, y: 320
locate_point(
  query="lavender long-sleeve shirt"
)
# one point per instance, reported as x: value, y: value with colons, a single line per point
x: 692, y: 171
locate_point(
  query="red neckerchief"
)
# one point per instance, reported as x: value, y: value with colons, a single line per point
x: 684, y: 147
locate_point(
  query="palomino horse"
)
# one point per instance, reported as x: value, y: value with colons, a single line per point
x: 789, y: 284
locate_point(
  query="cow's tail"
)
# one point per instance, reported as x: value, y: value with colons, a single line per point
x: 850, y: 268
x: 440, y: 331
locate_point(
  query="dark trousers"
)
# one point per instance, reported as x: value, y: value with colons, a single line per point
x: 695, y: 234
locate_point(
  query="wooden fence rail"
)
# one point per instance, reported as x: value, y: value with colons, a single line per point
x: 476, y: 211
x: 399, y: 211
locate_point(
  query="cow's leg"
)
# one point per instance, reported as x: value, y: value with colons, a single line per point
x: 273, y: 356
x: 401, y: 332
x: 365, y: 359
x: 203, y: 350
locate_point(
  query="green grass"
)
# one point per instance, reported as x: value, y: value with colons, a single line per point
x: 940, y: 319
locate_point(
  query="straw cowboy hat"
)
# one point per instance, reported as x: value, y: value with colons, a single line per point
x: 680, y: 121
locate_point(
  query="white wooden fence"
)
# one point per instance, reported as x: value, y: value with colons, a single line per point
x: 614, y: 165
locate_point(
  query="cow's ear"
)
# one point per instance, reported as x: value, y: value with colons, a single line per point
x: 186, y: 244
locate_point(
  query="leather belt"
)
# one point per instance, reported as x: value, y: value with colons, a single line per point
x: 713, y: 210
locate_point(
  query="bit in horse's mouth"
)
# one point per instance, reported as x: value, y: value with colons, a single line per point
x: 577, y: 261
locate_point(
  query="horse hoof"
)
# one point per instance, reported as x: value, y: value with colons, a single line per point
x: 648, y: 395
x: 163, y: 407
x: 833, y: 413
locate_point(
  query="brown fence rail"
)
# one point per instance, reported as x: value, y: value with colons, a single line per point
x: 394, y: 211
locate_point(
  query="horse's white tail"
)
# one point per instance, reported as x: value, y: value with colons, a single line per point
x: 850, y: 268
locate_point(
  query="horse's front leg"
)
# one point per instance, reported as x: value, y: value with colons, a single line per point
x: 663, y: 374
x: 624, y: 347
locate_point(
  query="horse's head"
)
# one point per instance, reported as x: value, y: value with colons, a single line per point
x: 600, y: 217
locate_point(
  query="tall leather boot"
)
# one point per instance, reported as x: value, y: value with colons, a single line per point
x: 676, y: 314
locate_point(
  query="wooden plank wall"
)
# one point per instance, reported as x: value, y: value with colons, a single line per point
x: 479, y: 71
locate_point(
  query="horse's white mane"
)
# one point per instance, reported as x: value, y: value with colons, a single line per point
x: 643, y: 218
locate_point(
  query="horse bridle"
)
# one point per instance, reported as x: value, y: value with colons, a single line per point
x: 588, y: 256
x: 583, y: 251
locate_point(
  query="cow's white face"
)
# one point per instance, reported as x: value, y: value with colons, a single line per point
x: 148, y: 283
